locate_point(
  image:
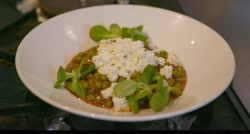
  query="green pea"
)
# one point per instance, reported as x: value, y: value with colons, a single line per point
x: 96, y: 75
x: 134, y: 75
x: 95, y: 79
x: 181, y: 68
x: 158, y: 54
x: 90, y: 97
x: 98, y: 84
x: 176, y: 90
x: 84, y: 84
x: 171, y: 82
x: 89, y: 76
x: 81, y: 54
x: 90, y: 82
x: 108, y: 103
x: 180, y: 79
x: 68, y: 68
x: 105, y: 84
x: 91, y: 90
x: 177, y: 73
x: 92, y: 55
x: 103, y: 77
x: 94, y: 49
x: 164, y: 54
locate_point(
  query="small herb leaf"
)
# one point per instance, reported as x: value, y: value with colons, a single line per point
x: 87, y: 69
x: 161, y: 98
x: 99, y: 32
x: 116, y: 29
x: 125, y: 88
x: 133, y: 104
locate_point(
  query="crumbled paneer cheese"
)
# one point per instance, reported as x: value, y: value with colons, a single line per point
x: 151, y: 46
x: 173, y: 59
x: 161, y: 61
x: 122, y: 57
x: 120, y: 104
x: 166, y: 71
x: 109, y: 92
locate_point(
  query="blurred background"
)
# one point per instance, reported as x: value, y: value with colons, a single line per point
x: 20, y: 109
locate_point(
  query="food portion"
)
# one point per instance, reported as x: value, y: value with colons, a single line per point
x: 124, y: 72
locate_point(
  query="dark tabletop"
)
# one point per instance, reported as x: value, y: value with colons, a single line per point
x: 21, y: 110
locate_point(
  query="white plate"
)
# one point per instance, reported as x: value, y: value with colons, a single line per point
x: 208, y: 59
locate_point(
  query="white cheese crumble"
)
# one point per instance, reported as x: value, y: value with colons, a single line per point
x: 166, y: 71
x: 109, y: 92
x: 151, y: 46
x: 161, y: 61
x: 173, y: 59
x: 120, y: 104
x: 122, y: 57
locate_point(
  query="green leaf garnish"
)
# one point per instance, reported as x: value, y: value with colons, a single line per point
x: 133, y: 104
x: 161, y: 98
x: 62, y: 76
x: 116, y: 29
x: 75, y: 75
x: 99, y: 32
x: 86, y: 70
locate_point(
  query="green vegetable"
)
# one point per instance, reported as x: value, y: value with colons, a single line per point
x: 126, y: 88
x: 134, y: 91
x: 61, y: 77
x: 99, y: 32
x: 75, y: 86
x: 133, y: 104
x: 141, y: 94
x: 116, y: 29
x: 147, y: 75
x: 161, y: 98
x: 86, y: 70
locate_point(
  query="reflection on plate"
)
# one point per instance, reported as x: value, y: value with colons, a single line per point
x: 207, y: 58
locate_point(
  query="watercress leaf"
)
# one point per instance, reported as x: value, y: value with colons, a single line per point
x: 156, y: 77
x: 79, y: 90
x: 133, y: 104
x: 116, y: 29
x: 161, y: 97
x: 86, y: 70
x: 142, y: 79
x: 153, y: 86
x: 148, y: 73
x: 99, y: 32
x: 125, y: 88
x: 140, y: 37
x: 141, y: 94
x: 61, y: 73
x: 58, y: 83
x: 61, y: 77
x: 133, y: 32
x: 73, y: 85
x: 125, y: 33
x: 139, y: 28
